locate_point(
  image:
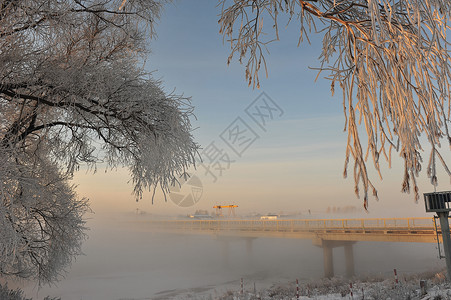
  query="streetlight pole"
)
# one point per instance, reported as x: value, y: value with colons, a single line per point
x: 439, y: 202
x: 444, y: 225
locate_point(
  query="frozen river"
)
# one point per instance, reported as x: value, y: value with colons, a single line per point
x: 126, y: 262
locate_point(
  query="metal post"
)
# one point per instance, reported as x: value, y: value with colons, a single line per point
x: 297, y: 289
x: 444, y: 225
x: 423, y: 287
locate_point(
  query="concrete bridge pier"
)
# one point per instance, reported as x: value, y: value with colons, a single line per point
x: 328, y: 246
x: 328, y: 259
x: 349, y: 259
x: 225, y: 252
x: 249, y: 250
x: 225, y: 247
x: 249, y: 246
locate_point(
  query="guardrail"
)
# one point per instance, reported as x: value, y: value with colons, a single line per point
x: 409, y: 224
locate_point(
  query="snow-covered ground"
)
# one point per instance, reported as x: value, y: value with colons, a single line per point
x: 370, y: 287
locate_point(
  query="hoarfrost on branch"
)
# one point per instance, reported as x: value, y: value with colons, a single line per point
x: 73, y: 90
x: 389, y: 58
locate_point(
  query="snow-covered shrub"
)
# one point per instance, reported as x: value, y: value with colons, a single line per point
x: 7, y: 294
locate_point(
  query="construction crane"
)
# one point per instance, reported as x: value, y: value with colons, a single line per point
x: 219, y: 208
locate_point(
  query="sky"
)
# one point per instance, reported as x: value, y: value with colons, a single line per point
x: 292, y: 163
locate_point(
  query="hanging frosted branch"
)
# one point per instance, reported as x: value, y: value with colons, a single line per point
x: 389, y: 57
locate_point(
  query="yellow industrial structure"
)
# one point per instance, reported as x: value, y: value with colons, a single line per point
x: 231, y: 208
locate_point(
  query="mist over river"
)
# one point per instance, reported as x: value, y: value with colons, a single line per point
x: 128, y: 261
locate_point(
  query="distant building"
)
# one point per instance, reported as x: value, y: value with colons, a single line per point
x: 201, y: 217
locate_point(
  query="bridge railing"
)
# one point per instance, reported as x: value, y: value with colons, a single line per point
x: 299, y: 224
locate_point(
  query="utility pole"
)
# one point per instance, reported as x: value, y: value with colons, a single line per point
x: 439, y: 202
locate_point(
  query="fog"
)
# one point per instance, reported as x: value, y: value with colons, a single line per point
x: 126, y: 260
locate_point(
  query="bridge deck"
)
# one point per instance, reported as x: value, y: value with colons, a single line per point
x: 420, y: 230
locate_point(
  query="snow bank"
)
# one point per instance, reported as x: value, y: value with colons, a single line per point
x: 366, y: 287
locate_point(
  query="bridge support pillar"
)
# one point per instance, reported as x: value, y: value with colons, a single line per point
x: 349, y: 259
x: 249, y: 250
x: 328, y: 260
x: 225, y: 252
x: 249, y: 246
x: 328, y: 247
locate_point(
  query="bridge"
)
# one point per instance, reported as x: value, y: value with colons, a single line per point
x: 325, y: 233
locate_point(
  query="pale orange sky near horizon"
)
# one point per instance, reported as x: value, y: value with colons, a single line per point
x: 262, y: 187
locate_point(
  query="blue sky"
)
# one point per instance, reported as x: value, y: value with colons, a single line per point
x: 294, y: 165
x: 190, y: 56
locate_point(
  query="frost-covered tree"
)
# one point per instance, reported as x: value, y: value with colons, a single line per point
x: 7, y: 294
x: 73, y: 90
x: 41, y: 224
x: 390, y: 59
